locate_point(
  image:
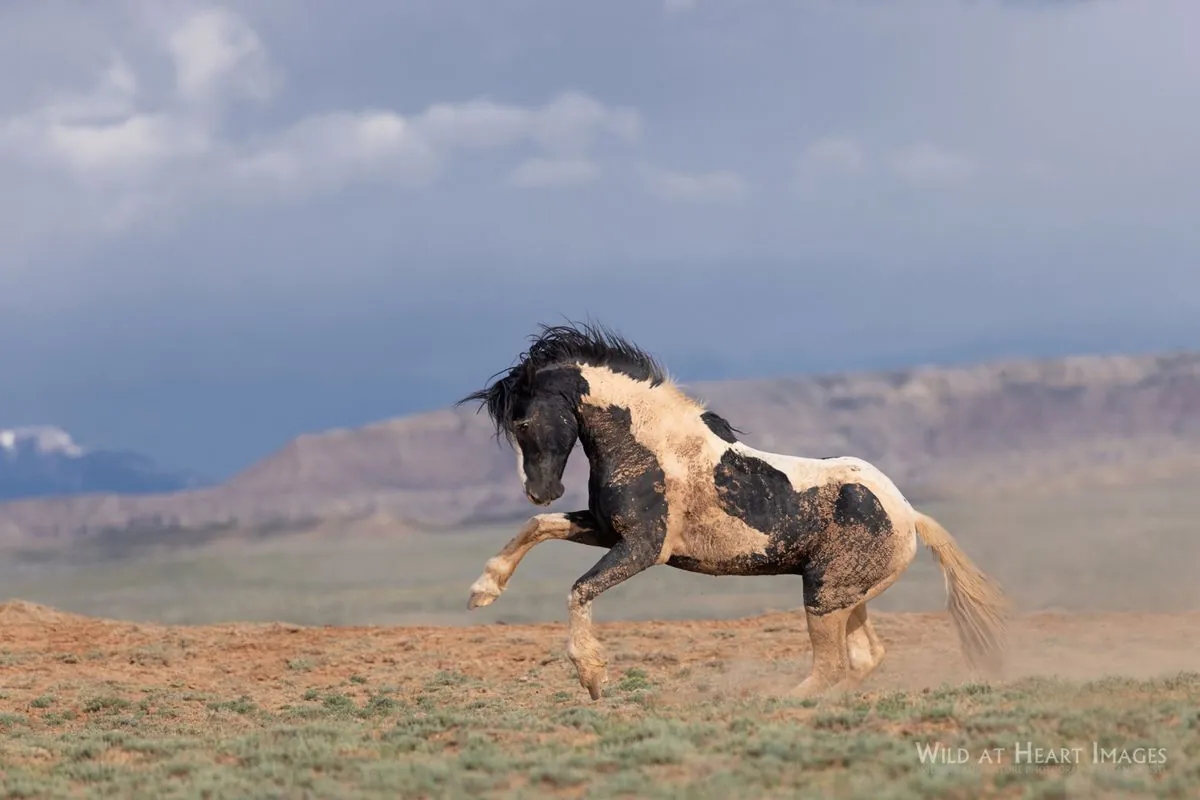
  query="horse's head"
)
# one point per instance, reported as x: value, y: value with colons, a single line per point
x: 543, y: 430
x: 536, y: 410
x: 535, y: 405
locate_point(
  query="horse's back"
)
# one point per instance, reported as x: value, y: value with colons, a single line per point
x: 804, y: 472
x: 842, y: 523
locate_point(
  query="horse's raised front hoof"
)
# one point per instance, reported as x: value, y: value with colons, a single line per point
x: 484, y: 591
x: 479, y: 599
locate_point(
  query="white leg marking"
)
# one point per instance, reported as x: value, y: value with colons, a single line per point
x: 486, y: 588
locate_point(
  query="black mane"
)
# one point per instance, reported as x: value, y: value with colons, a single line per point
x: 584, y: 343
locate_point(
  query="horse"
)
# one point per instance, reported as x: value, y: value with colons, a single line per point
x: 671, y: 483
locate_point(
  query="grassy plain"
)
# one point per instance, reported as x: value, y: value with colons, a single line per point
x: 201, y: 693
x: 693, y: 709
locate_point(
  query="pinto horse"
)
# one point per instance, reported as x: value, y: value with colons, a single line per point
x: 670, y: 483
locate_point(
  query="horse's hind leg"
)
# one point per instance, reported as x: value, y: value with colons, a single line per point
x: 863, y: 646
x: 577, y: 526
x: 848, y: 582
x: 831, y: 656
x: 845, y: 664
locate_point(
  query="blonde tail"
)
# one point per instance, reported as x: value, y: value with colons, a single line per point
x: 976, y: 602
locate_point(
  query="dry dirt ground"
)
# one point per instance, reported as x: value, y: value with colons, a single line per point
x: 92, y: 707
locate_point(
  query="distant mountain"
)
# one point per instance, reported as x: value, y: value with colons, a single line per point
x: 44, y: 461
x: 1017, y: 425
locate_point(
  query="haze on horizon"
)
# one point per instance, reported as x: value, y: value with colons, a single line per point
x: 228, y: 224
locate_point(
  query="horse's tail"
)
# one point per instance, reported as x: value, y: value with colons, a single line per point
x: 976, y: 602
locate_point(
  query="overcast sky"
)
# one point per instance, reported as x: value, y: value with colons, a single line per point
x: 224, y: 225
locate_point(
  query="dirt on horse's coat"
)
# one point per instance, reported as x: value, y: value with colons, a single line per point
x: 670, y: 483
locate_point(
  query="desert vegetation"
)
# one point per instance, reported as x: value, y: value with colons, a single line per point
x: 102, y: 708
x: 240, y: 668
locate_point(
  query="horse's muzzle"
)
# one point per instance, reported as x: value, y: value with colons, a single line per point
x: 544, y: 498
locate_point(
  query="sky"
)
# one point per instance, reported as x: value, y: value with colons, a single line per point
x: 223, y: 225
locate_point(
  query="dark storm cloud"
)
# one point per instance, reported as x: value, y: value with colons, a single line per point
x: 249, y: 217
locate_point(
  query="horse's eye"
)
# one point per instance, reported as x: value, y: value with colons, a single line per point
x: 523, y: 424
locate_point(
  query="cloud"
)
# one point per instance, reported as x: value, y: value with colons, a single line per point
x: 217, y: 55
x: 97, y: 133
x: 836, y: 154
x: 569, y: 123
x: 117, y: 153
x: 327, y: 151
x: 719, y: 186
x: 921, y: 164
x: 398, y: 116
x: 546, y: 172
x: 928, y: 165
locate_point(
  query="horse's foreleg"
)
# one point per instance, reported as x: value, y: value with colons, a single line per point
x: 576, y: 526
x: 627, y: 558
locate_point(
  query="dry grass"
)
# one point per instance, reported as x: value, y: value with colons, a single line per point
x: 106, y: 709
x: 696, y: 707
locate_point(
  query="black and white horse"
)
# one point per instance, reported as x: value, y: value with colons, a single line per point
x: 671, y: 484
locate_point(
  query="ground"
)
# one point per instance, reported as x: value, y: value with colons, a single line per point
x: 91, y: 707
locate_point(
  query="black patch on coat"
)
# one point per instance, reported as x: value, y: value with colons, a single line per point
x: 762, y: 496
x: 836, y: 536
x: 590, y: 531
x: 858, y: 505
x: 626, y: 496
x: 720, y: 426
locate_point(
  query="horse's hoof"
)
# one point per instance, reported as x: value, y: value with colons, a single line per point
x: 594, y: 682
x: 484, y: 592
x: 480, y: 599
x: 809, y: 689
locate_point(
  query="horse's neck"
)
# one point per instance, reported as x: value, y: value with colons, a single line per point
x: 602, y: 434
x: 615, y: 427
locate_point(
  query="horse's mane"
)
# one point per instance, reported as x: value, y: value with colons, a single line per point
x: 590, y: 344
